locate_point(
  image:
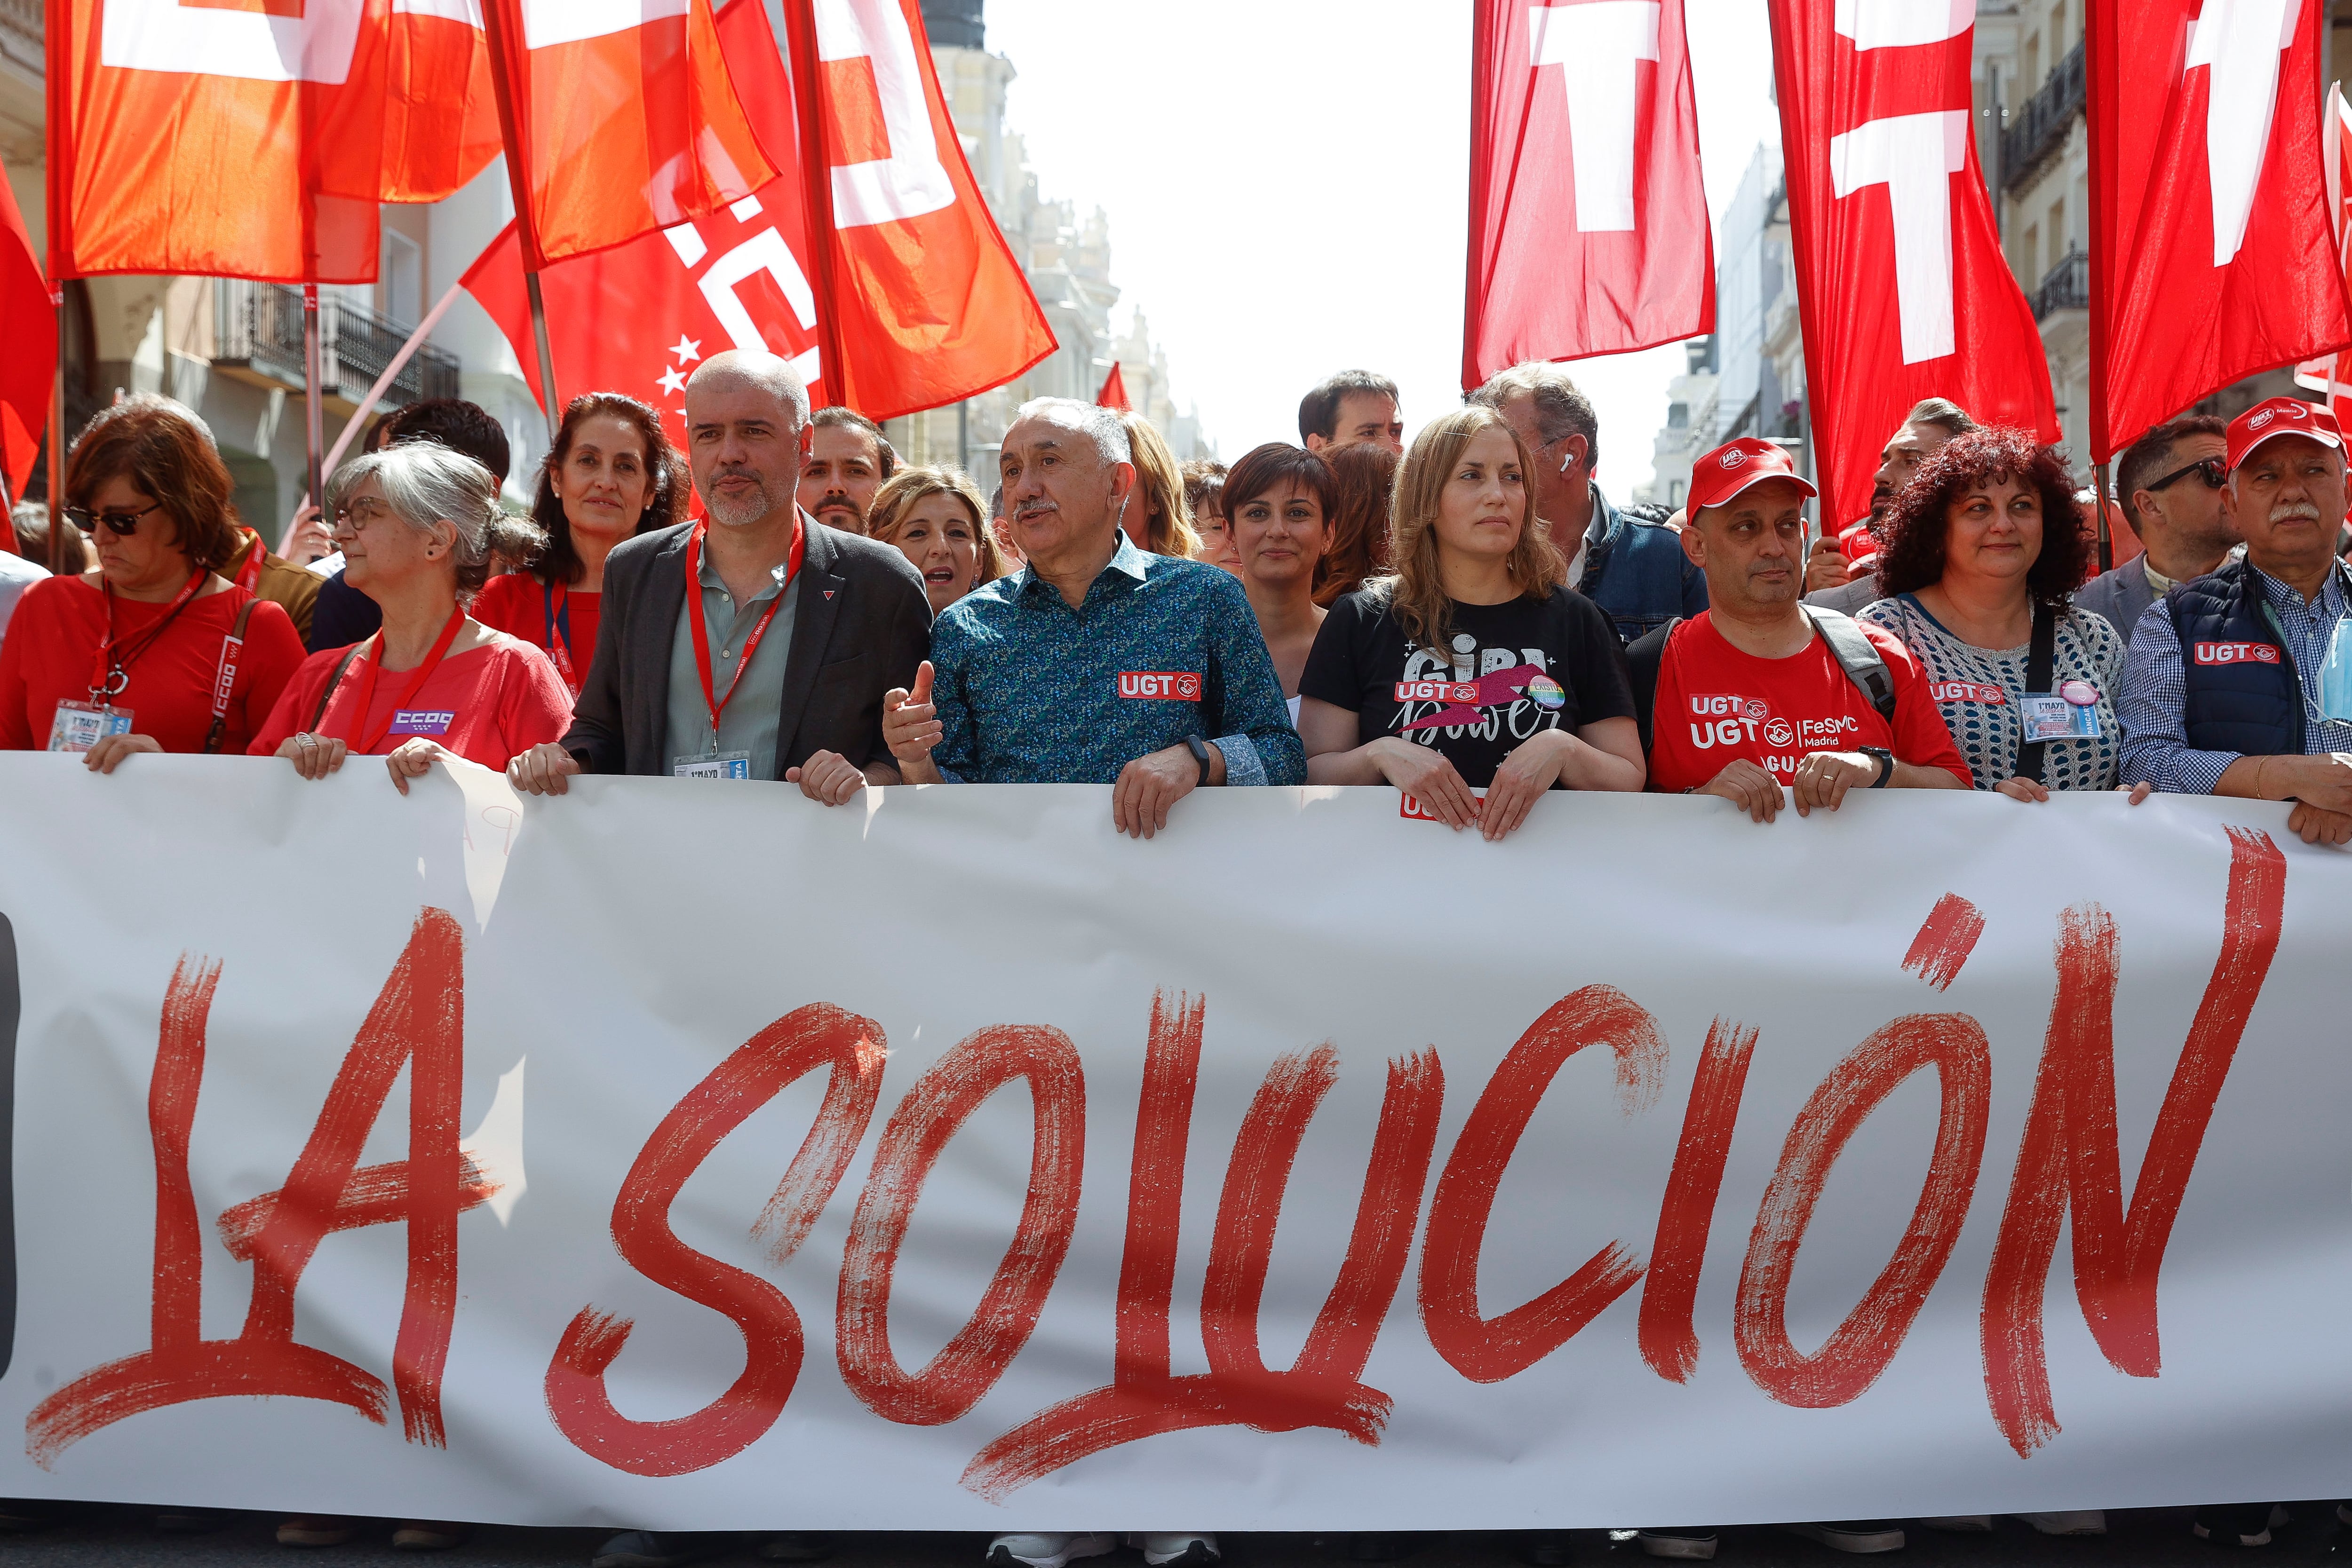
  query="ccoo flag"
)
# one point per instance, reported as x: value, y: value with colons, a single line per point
x: 1588, y: 214
x: 2212, y: 254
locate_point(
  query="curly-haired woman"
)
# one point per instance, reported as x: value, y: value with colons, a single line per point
x: 1981, y: 554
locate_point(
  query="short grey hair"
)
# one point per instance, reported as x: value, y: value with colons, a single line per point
x: 769, y: 373
x: 1561, y: 411
x: 425, y: 483
x: 1101, y: 425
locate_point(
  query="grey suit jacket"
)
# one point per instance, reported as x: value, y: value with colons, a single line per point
x: 2121, y: 595
x: 860, y: 626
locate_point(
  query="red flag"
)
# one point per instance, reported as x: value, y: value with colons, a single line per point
x: 1588, y: 215
x: 626, y: 117
x: 1901, y: 283
x: 2328, y: 373
x: 28, y: 325
x: 2213, y: 256
x: 1114, y: 391
x: 255, y: 140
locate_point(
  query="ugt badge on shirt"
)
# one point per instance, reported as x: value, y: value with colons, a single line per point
x: 1161, y: 685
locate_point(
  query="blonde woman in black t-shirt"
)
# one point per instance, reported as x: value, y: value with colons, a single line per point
x: 1475, y: 667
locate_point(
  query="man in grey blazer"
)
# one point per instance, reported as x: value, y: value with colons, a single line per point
x: 757, y: 644
x: 2169, y: 482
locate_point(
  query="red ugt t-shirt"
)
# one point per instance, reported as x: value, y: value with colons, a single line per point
x: 487, y: 704
x: 1716, y: 703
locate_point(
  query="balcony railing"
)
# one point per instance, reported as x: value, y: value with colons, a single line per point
x: 2067, y: 287
x: 2037, y: 131
x: 259, y: 326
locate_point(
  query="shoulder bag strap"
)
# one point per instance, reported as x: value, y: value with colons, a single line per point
x: 237, y: 635
x: 1855, y: 655
x: 332, y: 682
x: 1643, y: 666
x: 2041, y: 666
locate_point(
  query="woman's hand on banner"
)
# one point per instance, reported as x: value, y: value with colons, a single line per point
x: 1426, y: 775
x: 411, y: 758
x: 313, y: 755
x: 110, y: 751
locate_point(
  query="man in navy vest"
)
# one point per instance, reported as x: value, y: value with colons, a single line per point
x: 1632, y: 568
x: 2220, y: 692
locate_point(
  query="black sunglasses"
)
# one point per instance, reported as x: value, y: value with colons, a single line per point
x: 124, y: 523
x: 2209, y: 469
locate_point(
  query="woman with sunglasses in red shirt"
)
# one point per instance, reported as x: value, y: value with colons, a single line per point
x: 154, y: 649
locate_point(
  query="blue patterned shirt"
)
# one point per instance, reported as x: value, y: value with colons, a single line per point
x: 1030, y: 690
x: 2156, y: 692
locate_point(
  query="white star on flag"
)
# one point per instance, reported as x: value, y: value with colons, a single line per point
x: 688, y: 350
x: 672, y: 381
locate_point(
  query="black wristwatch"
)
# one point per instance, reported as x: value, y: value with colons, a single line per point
x: 1886, y: 765
x: 1200, y: 750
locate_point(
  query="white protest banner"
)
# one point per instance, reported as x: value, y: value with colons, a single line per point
x: 699, y: 1157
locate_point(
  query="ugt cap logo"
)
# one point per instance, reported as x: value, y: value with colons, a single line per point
x: 2262, y: 418
x: 1735, y: 458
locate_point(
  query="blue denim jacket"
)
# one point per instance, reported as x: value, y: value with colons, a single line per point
x: 1636, y: 573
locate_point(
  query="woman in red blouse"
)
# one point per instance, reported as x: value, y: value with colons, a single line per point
x: 153, y: 650
x: 611, y: 474
x: 417, y: 525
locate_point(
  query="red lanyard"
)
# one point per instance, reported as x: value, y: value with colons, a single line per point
x: 712, y: 699
x: 248, y: 576
x: 554, y: 600
x: 108, y: 674
x: 364, y: 740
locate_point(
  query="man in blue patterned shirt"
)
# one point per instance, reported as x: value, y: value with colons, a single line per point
x: 1096, y: 663
x: 2221, y: 689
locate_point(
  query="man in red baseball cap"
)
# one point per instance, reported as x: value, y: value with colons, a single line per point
x: 1761, y: 691
x: 2225, y: 690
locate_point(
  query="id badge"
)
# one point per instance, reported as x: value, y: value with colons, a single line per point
x: 80, y: 725
x: 2049, y: 716
x: 722, y: 765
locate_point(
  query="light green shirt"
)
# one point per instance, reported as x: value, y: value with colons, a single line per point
x: 754, y: 714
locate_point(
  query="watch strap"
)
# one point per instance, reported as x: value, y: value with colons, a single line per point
x: 1200, y: 749
x: 1886, y: 765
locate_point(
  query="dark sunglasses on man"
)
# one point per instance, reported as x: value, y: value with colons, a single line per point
x: 122, y: 524
x: 2209, y: 469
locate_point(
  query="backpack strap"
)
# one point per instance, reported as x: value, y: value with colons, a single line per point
x: 1643, y: 660
x: 333, y: 681
x: 1855, y: 655
x: 2040, y: 665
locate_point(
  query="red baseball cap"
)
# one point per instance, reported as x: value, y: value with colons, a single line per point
x: 1732, y: 467
x: 2281, y: 416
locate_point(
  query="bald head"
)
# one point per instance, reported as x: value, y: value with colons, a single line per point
x: 747, y: 420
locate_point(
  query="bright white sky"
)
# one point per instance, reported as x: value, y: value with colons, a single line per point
x: 1288, y: 187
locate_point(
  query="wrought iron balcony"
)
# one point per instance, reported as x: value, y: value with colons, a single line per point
x: 259, y: 327
x: 2067, y: 287
x: 2037, y: 131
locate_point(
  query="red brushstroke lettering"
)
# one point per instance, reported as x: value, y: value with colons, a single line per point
x: 801, y: 1042
x: 933, y: 1111
x: 418, y: 1021
x: 1669, y: 1342
x: 1945, y: 939
x: 1861, y: 1347
x: 1487, y: 1350
x: 1323, y: 1388
x: 2069, y: 1157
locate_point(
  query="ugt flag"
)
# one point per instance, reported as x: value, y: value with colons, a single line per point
x: 1901, y: 282
x: 255, y: 140
x: 1588, y: 215
x: 2212, y: 256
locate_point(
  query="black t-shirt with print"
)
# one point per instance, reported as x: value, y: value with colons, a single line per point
x: 1539, y: 664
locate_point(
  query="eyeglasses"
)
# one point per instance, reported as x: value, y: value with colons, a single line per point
x: 2209, y: 469
x: 351, y: 519
x: 122, y: 525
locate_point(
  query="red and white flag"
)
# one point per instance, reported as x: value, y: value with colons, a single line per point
x: 625, y: 116
x: 255, y: 138
x: 28, y: 325
x: 2212, y: 252
x: 1588, y: 229
x: 2329, y: 374
x: 931, y: 307
x: 1901, y: 283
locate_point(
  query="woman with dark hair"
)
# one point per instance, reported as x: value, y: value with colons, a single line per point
x: 1363, y: 485
x: 1475, y: 669
x: 1979, y: 557
x: 1277, y: 502
x: 1205, y: 492
x: 612, y: 474
x: 154, y: 649
x: 417, y: 526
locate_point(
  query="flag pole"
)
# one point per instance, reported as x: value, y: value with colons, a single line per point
x: 57, y: 562
x: 817, y: 175
x: 2099, y: 500
x: 506, y: 57
x: 314, y: 410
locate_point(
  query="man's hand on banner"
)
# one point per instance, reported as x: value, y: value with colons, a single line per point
x: 827, y: 776
x: 1747, y: 785
x: 545, y: 770
x: 2316, y: 824
x: 1824, y: 778
x: 1148, y: 786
